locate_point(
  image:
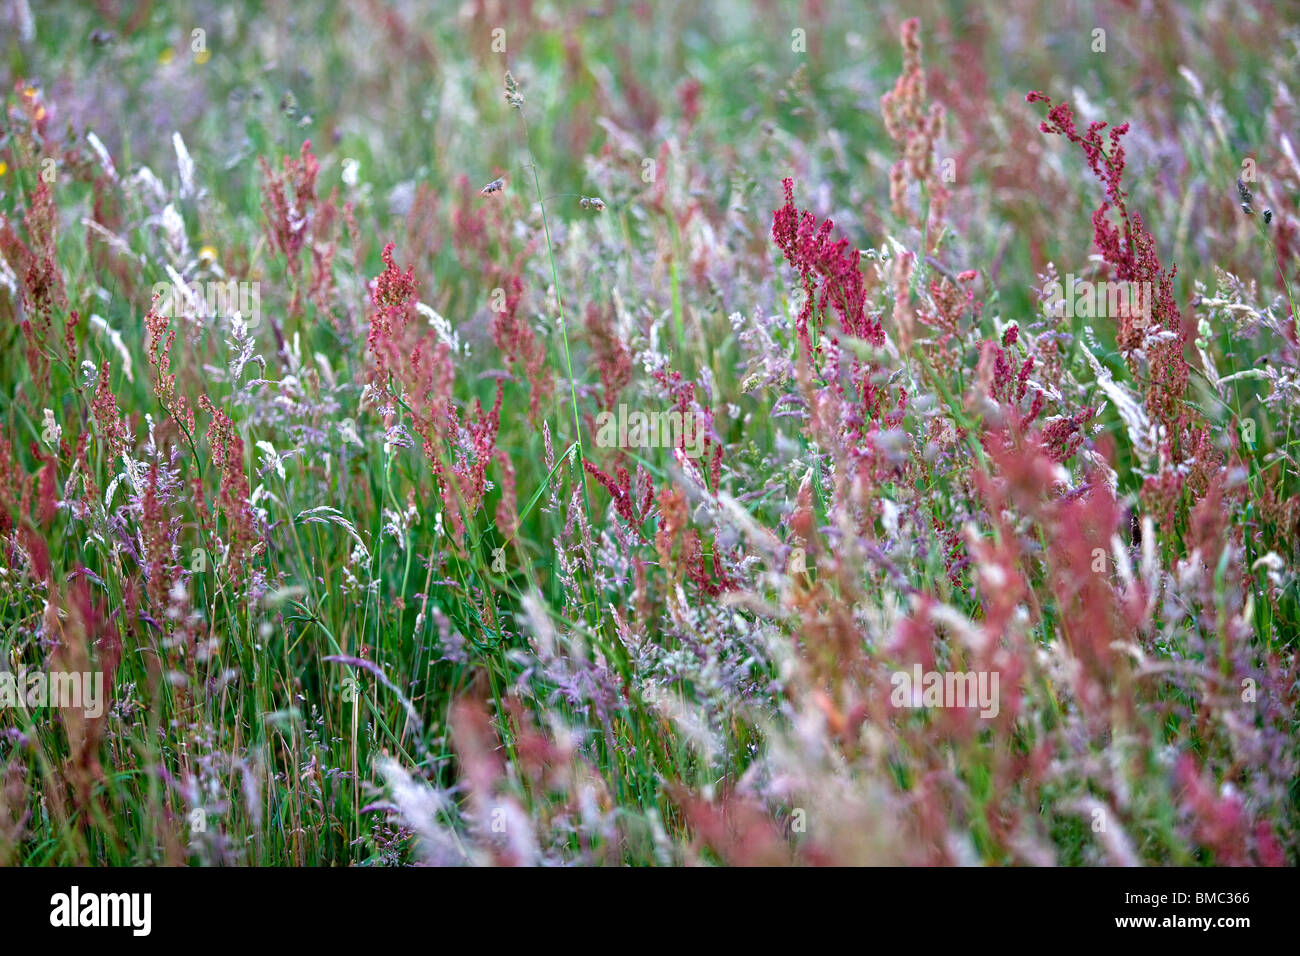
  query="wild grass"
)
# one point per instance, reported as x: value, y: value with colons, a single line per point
x: 367, y: 590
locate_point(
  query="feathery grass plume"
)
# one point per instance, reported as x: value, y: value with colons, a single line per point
x: 1130, y: 251
x: 161, y: 340
x: 524, y: 353
x: 612, y: 357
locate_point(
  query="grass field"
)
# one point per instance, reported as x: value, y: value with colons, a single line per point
x: 649, y: 434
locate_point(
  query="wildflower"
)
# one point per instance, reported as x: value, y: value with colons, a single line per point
x: 394, y: 295
x: 679, y: 547
x: 42, y: 290
x: 807, y: 246
x: 612, y: 357
x: 507, y: 507
x: 620, y: 489
x: 288, y: 202
x: 591, y: 202
x: 105, y: 411
x: 915, y: 130
x: 227, y: 449
x: 1131, y: 251
x: 522, y: 349
x: 159, y: 356
x: 421, y: 370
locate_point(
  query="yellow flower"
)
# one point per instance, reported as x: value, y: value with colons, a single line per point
x: 203, y: 56
x: 4, y: 167
x: 165, y: 56
x: 29, y: 92
x: 208, y: 254
x: 40, y: 113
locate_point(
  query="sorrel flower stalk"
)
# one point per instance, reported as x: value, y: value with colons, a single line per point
x: 612, y: 356
x: 408, y: 364
x: 829, y: 273
x: 1005, y: 387
x: 1025, y: 479
x: 849, y: 408
x: 1220, y: 822
x: 156, y: 538
x: 680, y: 549
x: 413, y: 370
x: 42, y: 292
x: 81, y: 625
x: 620, y: 489
x: 1130, y: 251
x: 916, y: 131
x: 232, y: 500
x: 161, y: 339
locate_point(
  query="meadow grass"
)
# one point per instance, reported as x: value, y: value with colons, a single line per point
x: 367, y: 590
